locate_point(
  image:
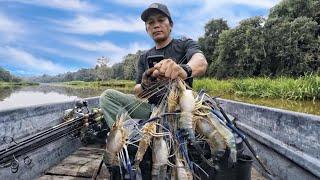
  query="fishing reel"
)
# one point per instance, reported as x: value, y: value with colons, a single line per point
x: 80, y: 108
x: 13, y: 162
x: 93, y: 125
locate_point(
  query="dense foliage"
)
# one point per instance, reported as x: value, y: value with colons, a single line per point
x: 5, y: 76
x: 287, y: 43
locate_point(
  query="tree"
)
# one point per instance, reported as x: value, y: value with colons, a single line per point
x: 287, y: 43
x: 117, y: 71
x: 85, y: 75
x: 103, y: 71
x: 293, y: 46
x: 291, y: 9
x: 211, y: 36
x: 68, y: 77
x: 5, y: 75
x: 130, y: 65
x: 239, y: 51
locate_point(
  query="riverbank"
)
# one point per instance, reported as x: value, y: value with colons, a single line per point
x: 118, y: 84
x: 303, y: 88
x: 12, y: 84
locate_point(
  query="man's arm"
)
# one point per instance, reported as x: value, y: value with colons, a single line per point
x: 198, y: 64
x: 137, y: 89
x: 170, y: 69
x: 140, y: 70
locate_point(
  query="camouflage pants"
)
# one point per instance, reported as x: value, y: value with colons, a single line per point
x: 114, y: 103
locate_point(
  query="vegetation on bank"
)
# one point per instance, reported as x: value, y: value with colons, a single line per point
x: 125, y: 84
x: 21, y: 83
x: 303, y: 88
x: 6, y: 76
x: 9, y: 80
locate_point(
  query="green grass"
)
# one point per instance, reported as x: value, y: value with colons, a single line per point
x: 303, y: 88
x: 22, y: 83
x: 213, y: 86
x: 126, y: 84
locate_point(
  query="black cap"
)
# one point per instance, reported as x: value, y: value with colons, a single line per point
x: 158, y: 8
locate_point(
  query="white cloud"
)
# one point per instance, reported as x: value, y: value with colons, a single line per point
x: 77, y: 56
x: 10, y: 29
x: 210, y: 4
x: 210, y: 9
x: 215, y: 4
x: 190, y: 22
x: 72, y: 5
x: 102, y: 46
x: 134, y: 47
x: 146, y: 3
x: 8, y: 25
x: 131, y: 49
x: 28, y: 62
x: 99, y: 26
x: 89, y: 51
x: 106, y: 48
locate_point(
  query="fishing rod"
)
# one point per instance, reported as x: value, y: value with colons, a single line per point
x: 41, y: 134
x: 20, y: 150
x: 234, y: 128
x: 78, y: 121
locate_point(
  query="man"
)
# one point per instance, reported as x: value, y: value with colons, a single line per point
x: 182, y: 59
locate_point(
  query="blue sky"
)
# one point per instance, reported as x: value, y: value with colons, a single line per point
x: 57, y: 36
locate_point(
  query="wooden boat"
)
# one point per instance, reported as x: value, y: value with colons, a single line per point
x: 287, y: 142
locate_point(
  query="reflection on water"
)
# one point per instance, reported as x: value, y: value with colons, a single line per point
x: 5, y: 92
x: 25, y: 98
x: 310, y: 107
x: 47, y: 93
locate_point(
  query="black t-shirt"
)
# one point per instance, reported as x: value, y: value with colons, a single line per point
x: 179, y: 50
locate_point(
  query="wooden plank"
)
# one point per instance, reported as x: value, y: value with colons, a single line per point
x: 56, y: 177
x: 255, y: 175
x: 82, y: 163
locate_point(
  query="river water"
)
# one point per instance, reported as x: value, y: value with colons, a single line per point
x: 48, y: 93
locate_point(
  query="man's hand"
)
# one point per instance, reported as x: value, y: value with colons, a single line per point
x: 146, y: 82
x: 147, y: 78
x: 167, y: 68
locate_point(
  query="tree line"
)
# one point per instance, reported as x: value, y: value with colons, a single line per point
x: 286, y: 43
x: 101, y: 72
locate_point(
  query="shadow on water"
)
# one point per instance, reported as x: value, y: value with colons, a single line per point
x: 11, y: 97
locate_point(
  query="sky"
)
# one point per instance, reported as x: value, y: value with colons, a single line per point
x: 56, y: 36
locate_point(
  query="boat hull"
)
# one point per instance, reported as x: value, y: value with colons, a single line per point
x: 287, y: 142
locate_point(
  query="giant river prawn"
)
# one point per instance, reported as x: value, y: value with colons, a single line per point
x: 182, y: 118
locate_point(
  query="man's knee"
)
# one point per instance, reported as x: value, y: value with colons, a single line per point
x: 109, y: 94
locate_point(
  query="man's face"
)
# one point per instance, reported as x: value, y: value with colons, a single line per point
x: 158, y: 27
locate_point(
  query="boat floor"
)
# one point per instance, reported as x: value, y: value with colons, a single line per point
x: 84, y: 163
